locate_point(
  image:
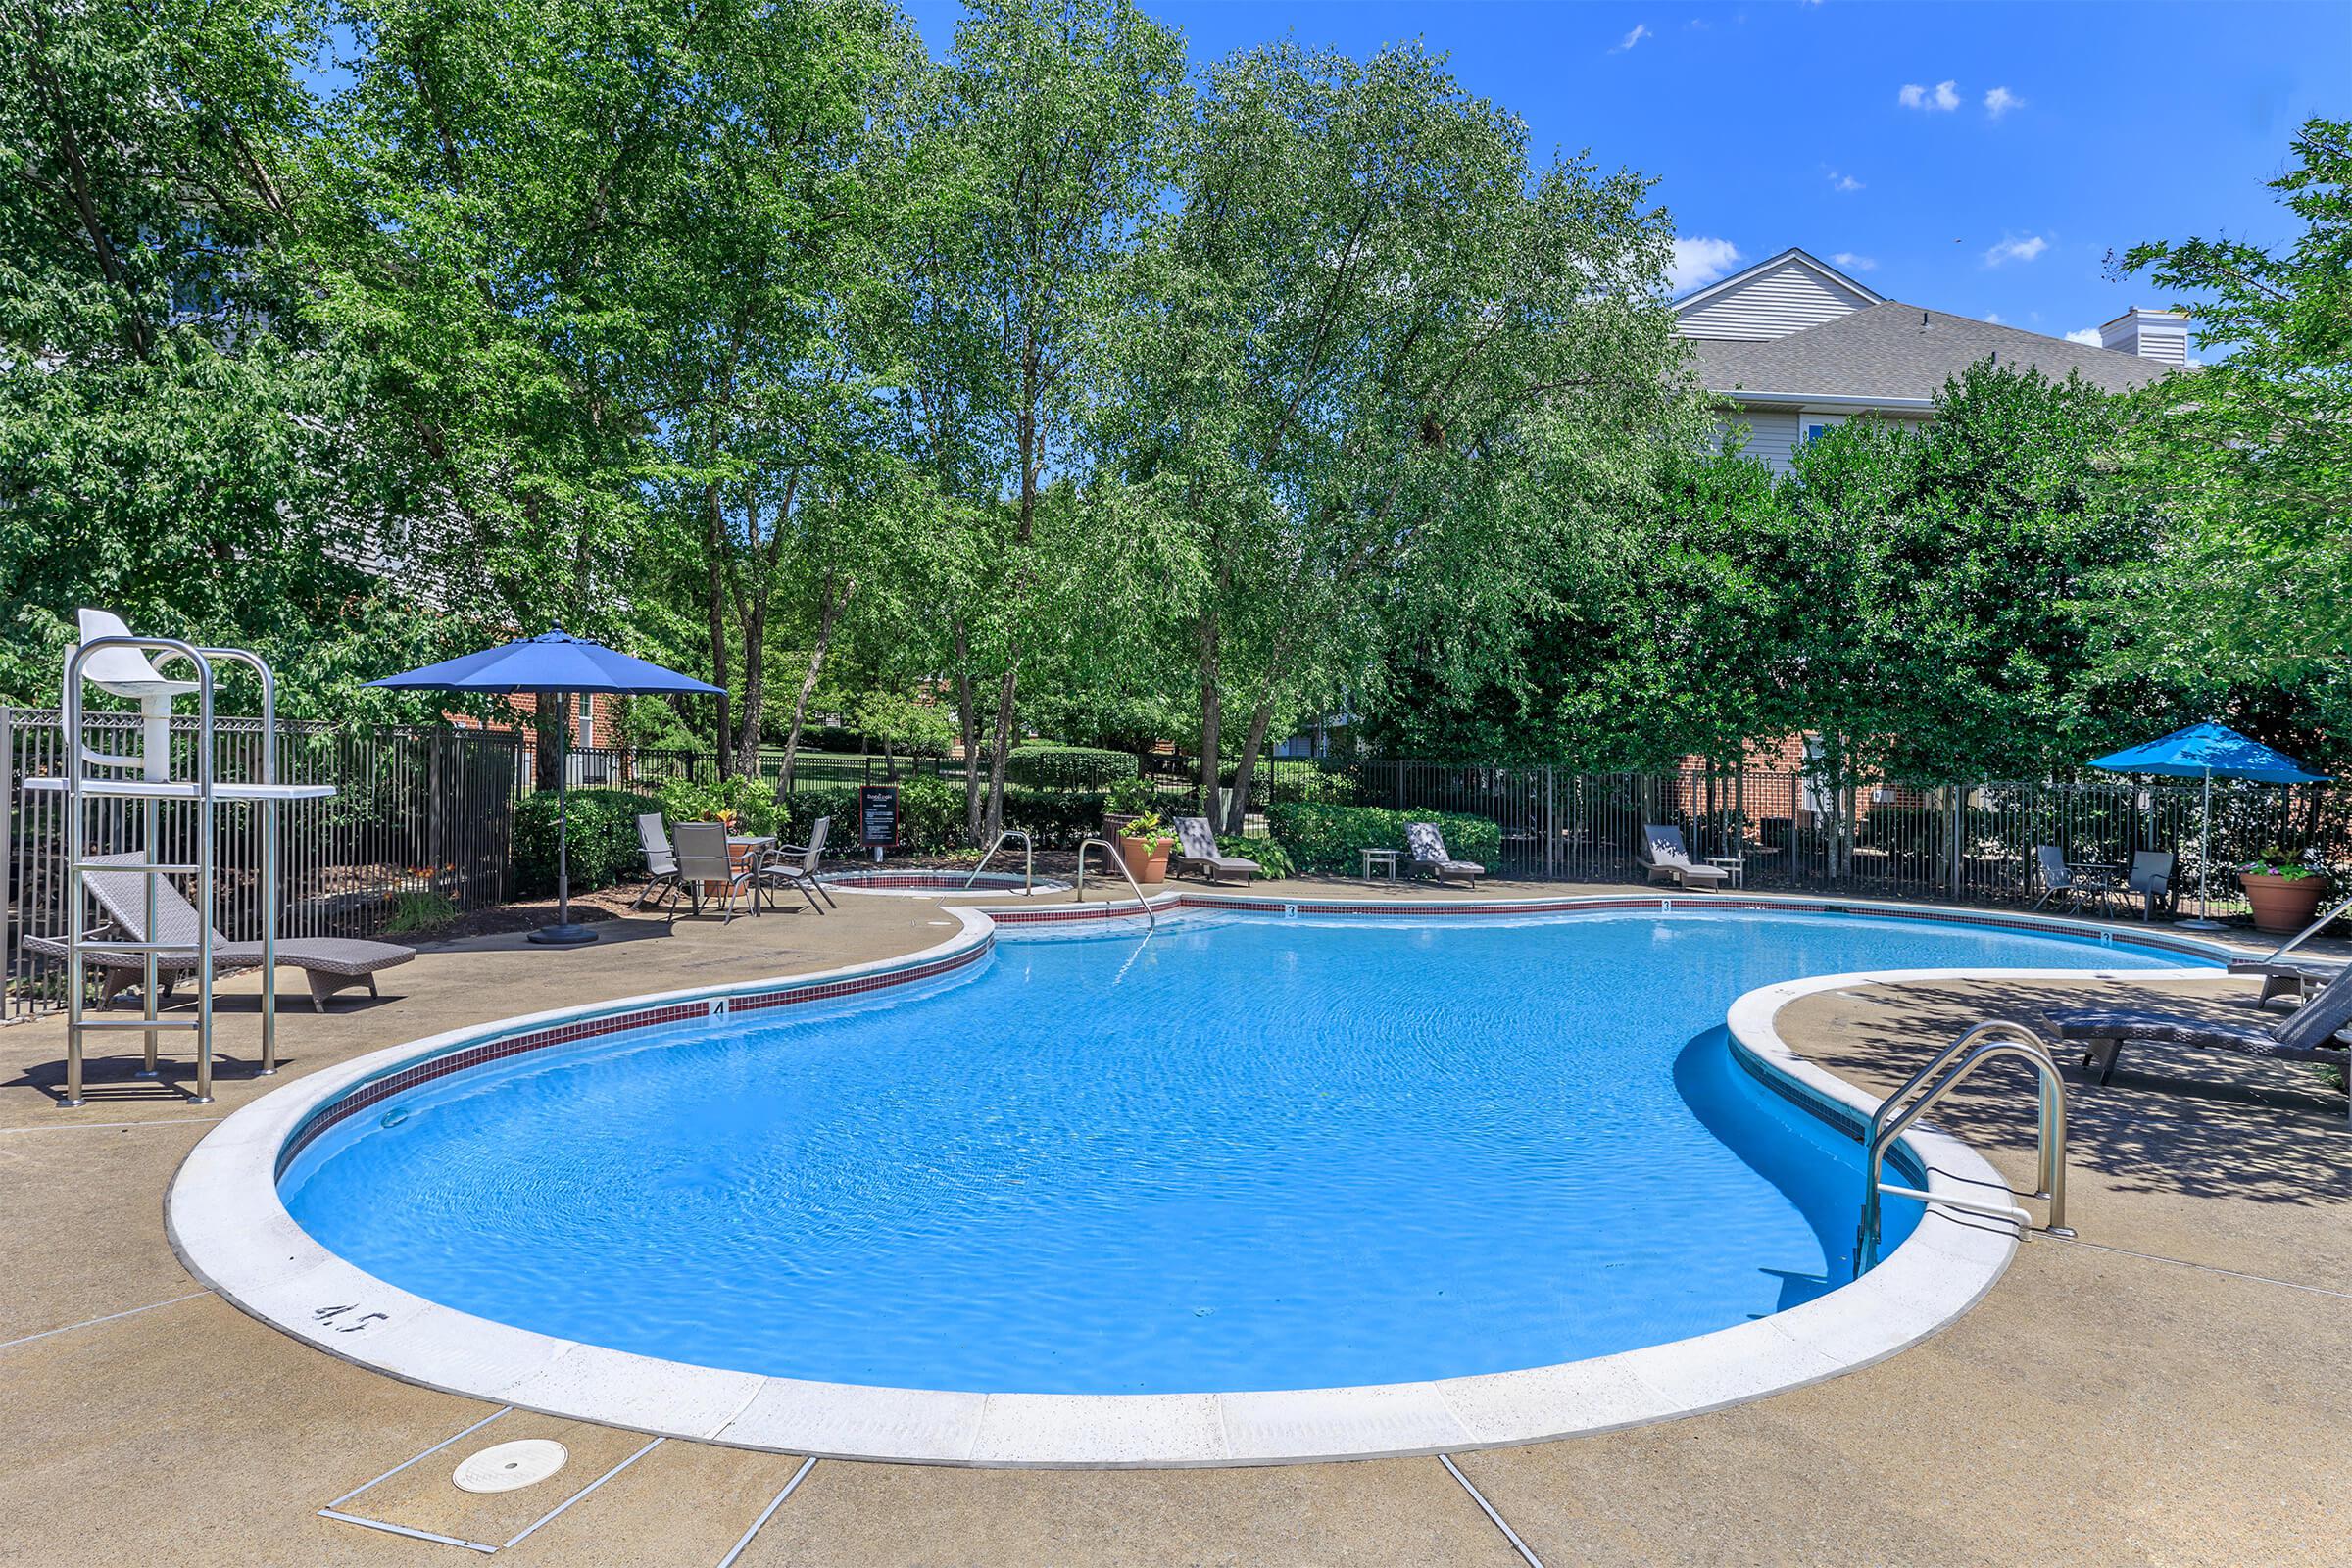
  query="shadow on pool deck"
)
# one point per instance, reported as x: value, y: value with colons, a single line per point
x: 2120, y: 1400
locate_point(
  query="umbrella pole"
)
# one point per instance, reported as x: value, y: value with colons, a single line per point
x: 2204, y: 920
x: 563, y: 933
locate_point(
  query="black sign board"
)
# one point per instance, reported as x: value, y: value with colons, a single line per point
x: 878, y: 815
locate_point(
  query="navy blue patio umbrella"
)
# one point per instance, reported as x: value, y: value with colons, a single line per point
x: 554, y: 664
x: 2208, y: 751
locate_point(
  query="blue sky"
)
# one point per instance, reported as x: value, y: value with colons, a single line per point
x: 1977, y: 157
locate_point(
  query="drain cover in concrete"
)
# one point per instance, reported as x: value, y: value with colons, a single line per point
x: 510, y: 1466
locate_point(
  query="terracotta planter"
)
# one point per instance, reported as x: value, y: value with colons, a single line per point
x: 2283, y: 903
x: 1145, y: 864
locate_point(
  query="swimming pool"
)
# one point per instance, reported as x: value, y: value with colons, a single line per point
x: 1247, y: 1154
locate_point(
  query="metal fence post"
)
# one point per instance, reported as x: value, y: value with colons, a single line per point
x: 1959, y: 810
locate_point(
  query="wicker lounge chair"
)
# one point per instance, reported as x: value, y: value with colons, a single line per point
x: 329, y: 963
x: 1669, y: 858
x: 1429, y: 853
x: 1197, y: 848
x: 2287, y: 973
x: 2311, y: 1033
x: 660, y: 860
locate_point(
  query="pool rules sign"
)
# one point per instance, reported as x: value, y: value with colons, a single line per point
x: 879, y: 817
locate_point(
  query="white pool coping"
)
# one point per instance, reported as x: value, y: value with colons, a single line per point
x: 231, y: 1230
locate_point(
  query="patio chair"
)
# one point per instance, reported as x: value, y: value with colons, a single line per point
x: 2151, y: 877
x: 1197, y: 846
x: 1669, y: 858
x: 795, y: 865
x: 2056, y: 880
x: 329, y: 963
x: 705, y: 861
x: 2312, y: 1032
x: 660, y: 860
x: 1429, y: 853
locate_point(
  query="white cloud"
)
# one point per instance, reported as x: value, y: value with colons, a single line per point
x: 1994, y: 316
x: 1855, y: 264
x: 1945, y: 96
x: 1699, y: 261
x: 1631, y: 39
x: 1842, y: 182
x: 2089, y: 337
x: 2016, y: 250
x: 2000, y: 101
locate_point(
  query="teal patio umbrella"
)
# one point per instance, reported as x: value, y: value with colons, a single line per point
x: 552, y: 664
x: 2207, y: 751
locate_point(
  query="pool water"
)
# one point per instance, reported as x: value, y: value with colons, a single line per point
x: 1243, y: 1154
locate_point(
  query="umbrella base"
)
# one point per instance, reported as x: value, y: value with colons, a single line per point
x: 2200, y: 925
x: 564, y: 936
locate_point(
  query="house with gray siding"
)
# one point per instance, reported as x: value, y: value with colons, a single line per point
x: 1791, y: 346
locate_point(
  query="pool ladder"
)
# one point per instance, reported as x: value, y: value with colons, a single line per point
x: 1118, y: 861
x: 1986, y: 1041
x: 1028, y: 858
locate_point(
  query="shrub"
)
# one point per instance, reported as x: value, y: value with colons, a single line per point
x: 1328, y: 838
x: 1271, y: 857
x: 603, y: 841
x: 1066, y: 767
x: 1132, y: 795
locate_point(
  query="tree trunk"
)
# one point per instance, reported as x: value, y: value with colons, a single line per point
x: 716, y: 595
x: 968, y: 727
x: 551, y: 728
x: 1242, y: 769
x: 1212, y: 715
x: 998, y: 753
x: 755, y: 687
x: 828, y: 611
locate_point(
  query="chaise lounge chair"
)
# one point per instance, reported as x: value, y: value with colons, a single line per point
x: 1196, y: 847
x: 2311, y: 1033
x: 1429, y: 853
x: 1668, y: 858
x: 329, y: 963
x: 2287, y: 973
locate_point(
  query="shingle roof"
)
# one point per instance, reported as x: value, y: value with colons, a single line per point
x: 1902, y: 351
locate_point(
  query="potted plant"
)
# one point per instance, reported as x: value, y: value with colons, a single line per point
x: 1126, y: 800
x: 1145, y: 845
x: 2284, y: 893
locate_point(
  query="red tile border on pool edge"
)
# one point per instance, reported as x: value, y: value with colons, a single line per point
x: 464, y: 1057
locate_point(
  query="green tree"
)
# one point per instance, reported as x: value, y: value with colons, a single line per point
x: 1369, y: 355
x: 178, y: 433
x: 2250, y: 457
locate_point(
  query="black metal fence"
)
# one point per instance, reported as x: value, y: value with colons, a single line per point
x: 1970, y: 843
x: 418, y: 830
x: 422, y: 825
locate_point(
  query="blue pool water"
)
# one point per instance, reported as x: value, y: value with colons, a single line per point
x: 1256, y: 1153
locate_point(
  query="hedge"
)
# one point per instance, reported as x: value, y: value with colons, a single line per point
x: 1328, y: 838
x: 602, y: 849
x: 1049, y: 766
x: 930, y: 812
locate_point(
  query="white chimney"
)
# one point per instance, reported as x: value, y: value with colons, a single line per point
x: 2160, y: 335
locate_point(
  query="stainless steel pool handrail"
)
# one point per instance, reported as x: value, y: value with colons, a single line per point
x: 1120, y: 861
x: 1029, y: 857
x: 1986, y: 1041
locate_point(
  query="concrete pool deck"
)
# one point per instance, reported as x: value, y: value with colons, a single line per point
x: 2172, y: 1388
